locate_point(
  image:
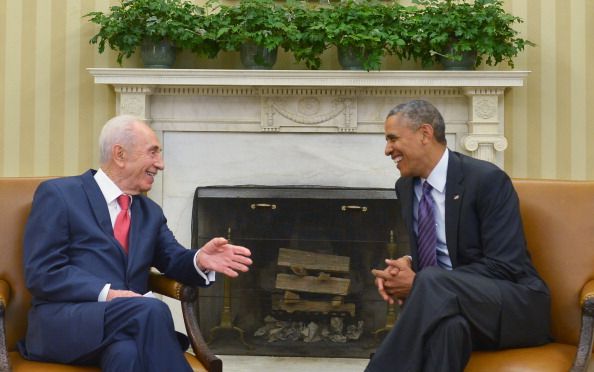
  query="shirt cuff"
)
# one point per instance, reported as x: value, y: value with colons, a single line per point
x: 207, y: 275
x: 103, y: 294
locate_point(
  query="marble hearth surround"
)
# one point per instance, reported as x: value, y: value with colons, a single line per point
x: 347, y: 104
x: 296, y: 127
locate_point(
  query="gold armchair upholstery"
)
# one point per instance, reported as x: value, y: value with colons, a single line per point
x: 558, y: 221
x: 16, y: 195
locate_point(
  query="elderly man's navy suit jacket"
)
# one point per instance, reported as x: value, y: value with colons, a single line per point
x: 71, y: 253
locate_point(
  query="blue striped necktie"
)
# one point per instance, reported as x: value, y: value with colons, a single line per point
x: 427, y: 233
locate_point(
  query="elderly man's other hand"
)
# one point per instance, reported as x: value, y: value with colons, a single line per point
x: 220, y: 256
x: 115, y: 293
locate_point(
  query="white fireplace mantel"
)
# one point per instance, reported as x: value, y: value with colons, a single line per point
x: 323, y: 101
x: 307, y: 78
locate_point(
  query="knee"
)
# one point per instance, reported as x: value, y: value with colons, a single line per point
x: 151, y: 310
x: 157, y: 309
x: 432, y: 285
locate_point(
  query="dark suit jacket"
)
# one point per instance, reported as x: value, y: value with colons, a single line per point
x: 484, y: 232
x: 71, y: 253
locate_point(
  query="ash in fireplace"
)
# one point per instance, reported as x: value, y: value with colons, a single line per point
x: 333, y: 330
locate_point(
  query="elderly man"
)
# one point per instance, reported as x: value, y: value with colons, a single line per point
x: 469, y: 282
x: 90, y: 242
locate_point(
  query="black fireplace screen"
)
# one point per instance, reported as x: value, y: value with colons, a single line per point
x: 309, y: 291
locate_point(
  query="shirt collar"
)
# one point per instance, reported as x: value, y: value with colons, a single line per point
x: 108, y: 188
x: 438, y: 176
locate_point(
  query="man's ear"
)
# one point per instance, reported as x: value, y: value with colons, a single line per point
x: 427, y: 131
x: 118, y: 154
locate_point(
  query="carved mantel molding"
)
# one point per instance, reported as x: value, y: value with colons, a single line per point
x: 323, y: 101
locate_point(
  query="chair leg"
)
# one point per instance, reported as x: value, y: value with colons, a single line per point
x: 4, y: 363
x: 190, y: 310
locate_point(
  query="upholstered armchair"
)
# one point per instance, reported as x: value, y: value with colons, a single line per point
x: 16, y: 195
x: 558, y: 221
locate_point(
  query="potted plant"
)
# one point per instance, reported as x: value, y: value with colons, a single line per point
x: 256, y: 28
x: 450, y: 31
x: 307, y: 40
x: 158, y: 26
x: 363, y: 31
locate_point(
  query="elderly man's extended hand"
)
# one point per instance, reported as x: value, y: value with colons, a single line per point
x: 395, y: 281
x: 220, y: 256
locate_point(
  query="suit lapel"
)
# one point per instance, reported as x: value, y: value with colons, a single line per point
x: 453, y: 203
x: 99, y: 208
x: 406, y: 194
x: 97, y: 201
x: 136, y: 222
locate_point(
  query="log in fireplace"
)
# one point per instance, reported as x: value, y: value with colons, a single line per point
x: 309, y: 291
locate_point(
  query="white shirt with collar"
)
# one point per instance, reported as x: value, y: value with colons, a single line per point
x: 437, y: 179
x: 111, y: 192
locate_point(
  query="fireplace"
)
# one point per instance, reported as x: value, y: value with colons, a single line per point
x: 309, y: 291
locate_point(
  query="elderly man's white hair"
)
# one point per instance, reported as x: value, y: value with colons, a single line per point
x: 118, y: 130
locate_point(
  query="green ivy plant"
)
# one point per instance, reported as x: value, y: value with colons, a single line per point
x: 450, y: 28
x: 424, y: 31
x: 126, y: 26
x: 370, y: 28
x: 262, y: 22
x: 307, y: 41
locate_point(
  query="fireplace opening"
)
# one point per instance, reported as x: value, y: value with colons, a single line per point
x: 309, y: 291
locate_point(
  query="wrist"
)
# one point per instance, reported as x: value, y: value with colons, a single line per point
x: 199, y: 265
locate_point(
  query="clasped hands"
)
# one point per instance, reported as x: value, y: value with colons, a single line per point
x: 395, y: 281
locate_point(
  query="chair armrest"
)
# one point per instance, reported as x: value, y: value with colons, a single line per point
x: 161, y: 284
x: 587, y: 297
x: 584, y: 349
x: 4, y: 300
x: 4, y: 293
x: 188, y: 296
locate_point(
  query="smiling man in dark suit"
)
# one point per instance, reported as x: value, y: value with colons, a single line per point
x: 88, y: 283
x: 469, y: 282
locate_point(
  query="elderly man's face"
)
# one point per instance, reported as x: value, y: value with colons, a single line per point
x: 406, y: 147
x: 142, y: 161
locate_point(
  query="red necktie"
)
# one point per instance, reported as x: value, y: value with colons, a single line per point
x: 122, y: 222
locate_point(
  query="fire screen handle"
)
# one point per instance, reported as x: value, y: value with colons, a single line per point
x: 263, y: 205
x: 345, y: 208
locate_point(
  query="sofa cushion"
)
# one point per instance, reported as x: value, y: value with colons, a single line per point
x: 553, y: 357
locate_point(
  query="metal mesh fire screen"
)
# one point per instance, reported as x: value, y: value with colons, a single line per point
x: 309, y: 291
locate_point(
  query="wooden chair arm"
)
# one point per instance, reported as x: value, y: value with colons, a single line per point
x: 584, y: 349
x: 4, y: 293
x: 587, y: 294
x: 188, y: 296
x: 4, y: 300
x: 161, y: 284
